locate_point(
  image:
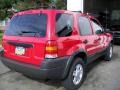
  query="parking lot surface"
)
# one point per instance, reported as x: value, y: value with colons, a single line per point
x: 102, y: 75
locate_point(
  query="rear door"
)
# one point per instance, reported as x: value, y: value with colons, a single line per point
x: 65, y: 33
x: 24, y: 40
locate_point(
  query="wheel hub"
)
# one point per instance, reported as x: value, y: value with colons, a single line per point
x: 111, y: 51
x: 77, y: 74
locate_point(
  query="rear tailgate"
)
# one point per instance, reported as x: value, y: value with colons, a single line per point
x: 24, y: 39
x: 33, y: 52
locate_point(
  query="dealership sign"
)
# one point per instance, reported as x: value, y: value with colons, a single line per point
x: 75, y: 5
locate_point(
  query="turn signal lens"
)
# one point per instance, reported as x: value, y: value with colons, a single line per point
x: 51, y: 49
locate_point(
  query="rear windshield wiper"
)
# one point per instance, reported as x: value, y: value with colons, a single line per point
x: 35, y: 33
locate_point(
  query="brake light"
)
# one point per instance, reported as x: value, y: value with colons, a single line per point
x: 51, y: 50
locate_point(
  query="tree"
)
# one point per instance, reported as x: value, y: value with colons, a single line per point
x: 4, y: 6
x: 7, y: 7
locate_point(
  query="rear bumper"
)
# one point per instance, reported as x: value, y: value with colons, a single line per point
x: 49, y: 69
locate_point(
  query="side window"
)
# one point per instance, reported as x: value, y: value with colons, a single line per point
x: 97, y: 28
x: 64, y: 24
x: 84, y: 26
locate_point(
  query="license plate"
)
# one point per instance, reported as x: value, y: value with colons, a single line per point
x: 19, y: 50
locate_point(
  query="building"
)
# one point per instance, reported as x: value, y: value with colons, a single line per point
x: 3, y: 23
x: 107, y: 10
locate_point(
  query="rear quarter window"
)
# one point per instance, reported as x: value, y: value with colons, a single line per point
x: 64, y: 24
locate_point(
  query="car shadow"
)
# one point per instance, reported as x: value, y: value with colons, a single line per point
x: 98, y: 61
x: 115, y: 56
x: 93, y: 65
x: 55, y: 83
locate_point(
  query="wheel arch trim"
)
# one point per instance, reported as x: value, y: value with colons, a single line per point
x: 71, y: 59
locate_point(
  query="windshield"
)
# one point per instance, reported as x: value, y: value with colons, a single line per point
x: 28, y: 25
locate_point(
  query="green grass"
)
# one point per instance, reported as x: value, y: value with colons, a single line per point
x: 1, y: 33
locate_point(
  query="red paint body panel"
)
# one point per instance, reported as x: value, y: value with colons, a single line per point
x: 33, y: 55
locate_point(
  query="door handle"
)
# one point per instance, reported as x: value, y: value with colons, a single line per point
x: 98, y: 39
x: 85, y: 41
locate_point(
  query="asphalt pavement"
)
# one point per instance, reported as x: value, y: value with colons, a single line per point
x: 101, y: 75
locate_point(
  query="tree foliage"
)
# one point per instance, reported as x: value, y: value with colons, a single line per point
x: 8, y: 6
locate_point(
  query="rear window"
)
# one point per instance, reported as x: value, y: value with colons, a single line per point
x: 28, y: 25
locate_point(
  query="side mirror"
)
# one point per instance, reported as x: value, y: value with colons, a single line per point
x: 99, y: 32
x: 107, y: 30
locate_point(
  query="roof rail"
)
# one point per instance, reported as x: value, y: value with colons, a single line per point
x: 92, y: 14
x: 78, y: 11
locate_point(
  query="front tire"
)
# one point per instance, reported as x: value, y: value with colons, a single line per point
x: 76, y: 75
x: 109, y: 53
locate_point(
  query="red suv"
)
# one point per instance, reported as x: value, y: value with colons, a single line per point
x: 54, y: 44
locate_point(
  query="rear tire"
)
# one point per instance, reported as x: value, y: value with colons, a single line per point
x: 109, y: 53
x: 76, y: 75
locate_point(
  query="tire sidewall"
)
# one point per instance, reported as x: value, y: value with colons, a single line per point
x: 68, y: 83
x: 107, y: 55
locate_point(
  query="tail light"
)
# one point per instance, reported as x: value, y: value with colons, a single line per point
x: 51, y: 50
